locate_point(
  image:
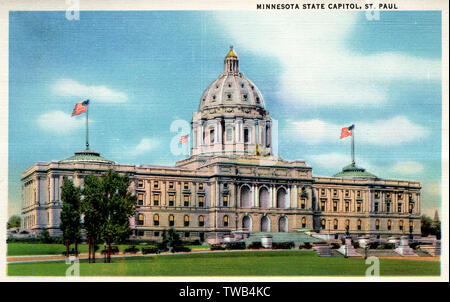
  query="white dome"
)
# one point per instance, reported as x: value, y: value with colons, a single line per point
x: 232, y: 89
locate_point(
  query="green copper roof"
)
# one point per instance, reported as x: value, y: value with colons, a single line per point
x: 353, y: 171
x: 88, y: 156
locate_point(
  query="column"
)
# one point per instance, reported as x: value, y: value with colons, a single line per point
x: 256, y: 197
x: 273, y: 195
x: 295, y: 189
x: 253, y: 195
x: 288, y: 196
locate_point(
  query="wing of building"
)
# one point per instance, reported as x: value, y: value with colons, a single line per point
x: 233, y: 182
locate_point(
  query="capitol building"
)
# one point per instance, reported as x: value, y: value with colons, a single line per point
x: 233, y: 182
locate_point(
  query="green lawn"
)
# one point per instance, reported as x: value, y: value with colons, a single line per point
x: 253, y: 263
x: 27, y: 249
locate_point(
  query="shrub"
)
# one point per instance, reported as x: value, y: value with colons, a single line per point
x: 239, y: 245
x: 255, y: 245
x: 335, y: 245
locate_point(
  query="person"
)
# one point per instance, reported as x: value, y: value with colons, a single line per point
x: 366, y: 251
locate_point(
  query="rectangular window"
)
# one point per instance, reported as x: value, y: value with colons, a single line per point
x: 388, y: 207
x: 229, y: 135
x: 201, y: 201
x: 156, y: 184
x: 186, y: 234
x: 171, y: 185
x: 347, y: 206
x: 186, y: 200
x: 334, y: 206
x: 303, y: 203
x: 358, y: 207
x: 211, y: 136
x: 358, y: 194
x: 335, y: 192
x: 376, y: 207
x: 140, y: 183
x: 171, y: 200
x: 225, y: 200
x: 200, y: 186
x: 156, y: 200
x: 322, y: 205
x: 399, y: 196
x: 377, y: 195
x: 246, y: 135
x: 140, y: 201
x: 322, y: 192
x: 399, y: 207
x: 186, y: 186
x: 156, y: 234
x: 347, y: 193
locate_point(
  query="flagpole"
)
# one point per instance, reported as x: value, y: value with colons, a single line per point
x: 353, y: 145
x: 87, y: 126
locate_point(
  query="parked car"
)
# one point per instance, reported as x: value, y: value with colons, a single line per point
x: 255, y: 245
x: 131, y: 250
x: 217, y: 246
x: 150, y: 250
x: 114, y: 250
x: 238, y: 245
x: 180, y: 248
x: 282, y: 245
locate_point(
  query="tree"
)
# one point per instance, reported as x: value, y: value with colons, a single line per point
x: 430, y: 227
x: 70, y: 215
x: 91, y: 207
x: 107, y: 208
x: 14, y: 222
x: 173, y: 238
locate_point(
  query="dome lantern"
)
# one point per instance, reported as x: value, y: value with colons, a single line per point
x: 231, y: 62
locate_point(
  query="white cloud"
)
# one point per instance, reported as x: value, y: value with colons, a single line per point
x: 145, y: 145
x: 59, y: 122
x: 394, y: 131
x: 408, y: 168
x: 317, y: 66
x: 68, y: 87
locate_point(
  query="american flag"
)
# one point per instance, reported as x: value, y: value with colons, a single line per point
x: 184, y: 139
x: 347, y: 131
x: 80, y: 108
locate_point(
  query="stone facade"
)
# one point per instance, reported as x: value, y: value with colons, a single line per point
x: 233, y: 185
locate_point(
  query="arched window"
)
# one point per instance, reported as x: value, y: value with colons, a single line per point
x: 282, y: 200
x: 400, y: 225
x: 186, y: 220
x: 303, y: 222
x: 322, y: 224
x: 229, y: 134
x: 171, y: 220
x: 359, y: 224
x: 335, y: 224
x: 201, y: 220
x: 225, y: 221
x: 246, y: 197
x: 283, y: 224
x: 247, y: 223
x: 264, y: 198
x: 389, y: 225
x: 140, y: 219
x: 156, y: 219
x: 265, y: 224
x: 377, y: 224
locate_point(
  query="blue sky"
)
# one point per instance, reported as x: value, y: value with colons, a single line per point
x: 144, y: 70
